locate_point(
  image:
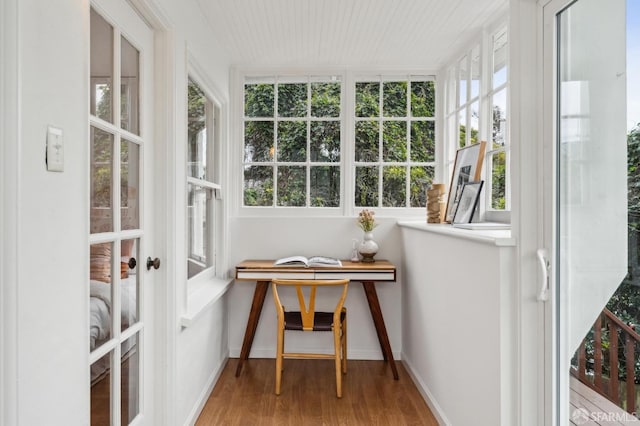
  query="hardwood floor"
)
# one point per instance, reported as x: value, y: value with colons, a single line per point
x: 308, y: 397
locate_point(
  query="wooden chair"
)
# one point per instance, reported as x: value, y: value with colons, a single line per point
x: 307, y: 319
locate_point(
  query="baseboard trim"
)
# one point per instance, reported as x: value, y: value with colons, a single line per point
x: 426, y: 394
x: 206, y: 392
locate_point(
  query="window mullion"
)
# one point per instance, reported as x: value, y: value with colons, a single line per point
x: 407, y: 183
x: 347, y: 151
x: 308, y: 141
x: 380, y: 141
x: 274, y: 158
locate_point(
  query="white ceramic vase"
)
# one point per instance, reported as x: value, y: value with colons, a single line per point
x: 368, y: 248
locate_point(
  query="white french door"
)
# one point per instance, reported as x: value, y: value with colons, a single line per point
x: 584, y: 178
x: 121, y: 201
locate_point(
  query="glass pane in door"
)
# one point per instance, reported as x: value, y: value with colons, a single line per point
x: 129, y: 283
x: 101, y: 68
x: 129, y: 86
x: 101, y: 180
x: 591, y: 217
x: 130, y: 380
x: 101, y: 391
x: 100, y: 297
x: 130, y: 185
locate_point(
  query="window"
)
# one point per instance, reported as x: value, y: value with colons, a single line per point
x: 476, y: 109
x: 292, y: 142
x: 296, y: 152
x: 202, y: 188
x: 394, y: 150
x: 497, y: 155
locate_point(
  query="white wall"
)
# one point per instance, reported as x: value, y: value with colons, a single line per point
x: 457, y: 326
x: 267, y: 238
x: 8, y: 203
x: 51, y: 226
x: 202, y: 351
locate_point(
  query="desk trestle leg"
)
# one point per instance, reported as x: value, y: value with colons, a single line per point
x: 378, y: 320
x: 252, y: 324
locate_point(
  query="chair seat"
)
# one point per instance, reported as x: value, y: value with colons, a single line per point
x: 322, y: 320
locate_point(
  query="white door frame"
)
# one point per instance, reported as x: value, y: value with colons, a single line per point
x: 9, y: 192
x: 165, y: 310
x: 525, y: 34
x: 536, y: 346
x: 163, y: 375
x: 556, y: 310
x: 553, y: 390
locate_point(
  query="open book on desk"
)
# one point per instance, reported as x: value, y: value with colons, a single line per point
x: 307, y: 262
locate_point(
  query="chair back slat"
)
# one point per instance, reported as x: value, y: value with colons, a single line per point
x: 307, y: 314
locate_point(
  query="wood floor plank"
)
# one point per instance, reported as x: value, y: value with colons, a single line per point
x: 308, y: 396
x: 606, y: 413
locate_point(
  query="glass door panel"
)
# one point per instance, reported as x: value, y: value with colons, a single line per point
x: 129, y: 283
x: 101, y: 68
x: 129, y: 90
x: 101, y: 216
x: 100, y: 297
x: 130, y: 382
x: 130, y: 167
x: 589, y: 229
x: 101, y: 391
x: 118, y: 142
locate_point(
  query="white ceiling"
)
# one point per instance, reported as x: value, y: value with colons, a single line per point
x: 394, y: 34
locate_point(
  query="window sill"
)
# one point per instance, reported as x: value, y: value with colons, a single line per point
x: 202, y: 297
x: 500, y: 238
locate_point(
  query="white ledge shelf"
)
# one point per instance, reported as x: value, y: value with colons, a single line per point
x: 499, y: 237
x: 205, y: 295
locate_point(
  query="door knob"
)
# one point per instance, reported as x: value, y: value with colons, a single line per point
x: 155, y: 263
x: 132, y: 263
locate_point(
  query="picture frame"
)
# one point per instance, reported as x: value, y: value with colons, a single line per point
x: 467, y: 167
x: 469, y: 198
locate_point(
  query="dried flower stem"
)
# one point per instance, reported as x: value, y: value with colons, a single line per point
x: 366, y: 220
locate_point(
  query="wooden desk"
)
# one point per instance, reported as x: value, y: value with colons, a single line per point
x: 262, y: 271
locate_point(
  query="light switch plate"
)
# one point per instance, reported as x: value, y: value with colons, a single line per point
x: 55, y: 150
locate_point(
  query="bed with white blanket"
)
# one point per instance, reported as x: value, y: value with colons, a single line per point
x: 100, y: 319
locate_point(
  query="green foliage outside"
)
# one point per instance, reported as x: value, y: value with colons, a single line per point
x: 299, y: 123
x: 102, y: 156
x: 196, y: 103
x: 625, y: 303
x: 499, y: 162
x: 498, y: 174
x: 196, y: 123
x: 279, y: 119
x: 102, y: 168
x: 394, y: 165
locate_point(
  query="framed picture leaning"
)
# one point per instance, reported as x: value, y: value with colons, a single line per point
x: 466, y: 168
x: 469, y: 197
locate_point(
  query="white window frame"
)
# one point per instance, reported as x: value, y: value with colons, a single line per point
x: 276, y: 78
x: 380, y: 120
x: 490, y: 212
x: 453, y: 108
x: 213, y: 184
x: 347, y: 135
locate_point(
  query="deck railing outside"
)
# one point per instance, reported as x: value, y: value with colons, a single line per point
x: 607, y: 360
